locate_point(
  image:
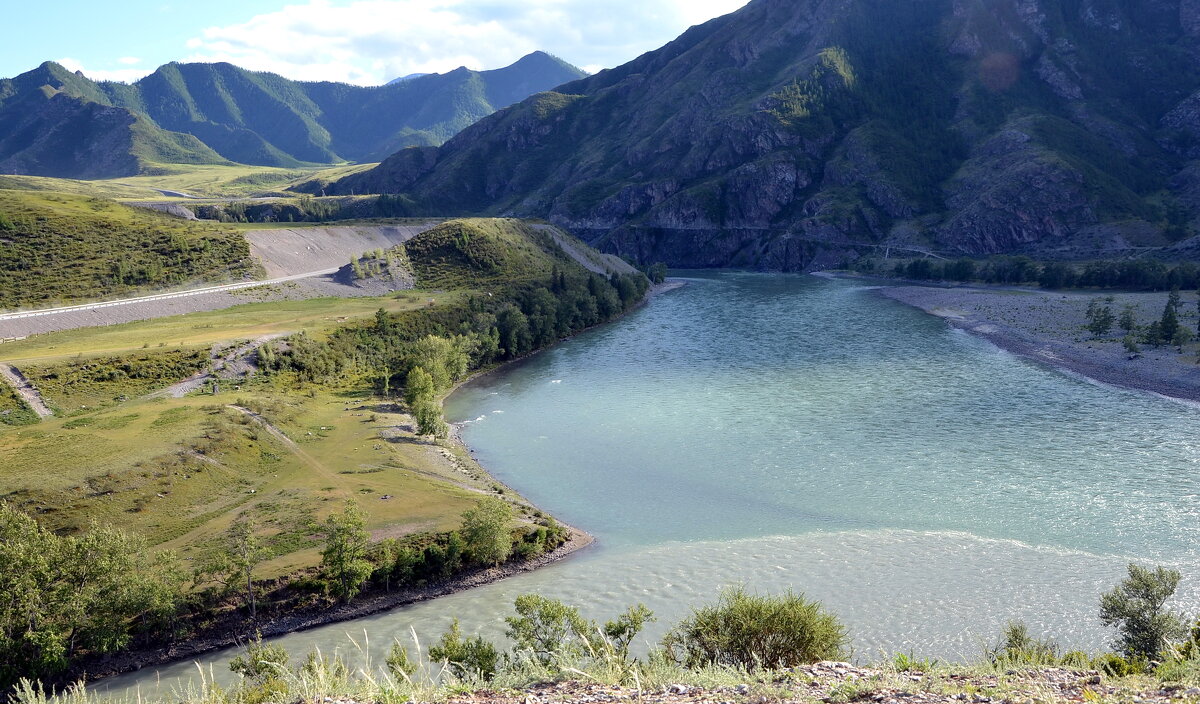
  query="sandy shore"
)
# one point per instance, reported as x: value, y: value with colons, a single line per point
x: 1048, y: 327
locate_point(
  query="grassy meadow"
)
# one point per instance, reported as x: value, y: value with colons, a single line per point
x: 181, y: 471
x: 244, y: 322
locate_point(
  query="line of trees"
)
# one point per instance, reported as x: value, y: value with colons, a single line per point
x: 1138, y: 274
x: 399, y: 350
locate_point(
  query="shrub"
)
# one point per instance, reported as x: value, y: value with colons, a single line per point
x: 1017, y: 648
x: 752, y: 631
x: 1116, y: 666
x: 470, y: 657
x: 1137, y: 607
x: 261, y: 662
x: 399, y: 664
x: 546, y: 628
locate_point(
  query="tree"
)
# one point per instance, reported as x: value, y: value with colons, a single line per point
x: 486, y: 530
x: 1100, y: 318
x: 246, y: 553
x: 1128, y: 320
x: 1137, y: 607
x: 344, y: 557
x: 232, y: 566
x: 446, y: 360
x: 418, y: 387
x: 1169, y: 324
x: 428, y: 416
x: 63, y: 596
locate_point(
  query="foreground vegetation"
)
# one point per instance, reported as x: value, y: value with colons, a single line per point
x: 743, y: 647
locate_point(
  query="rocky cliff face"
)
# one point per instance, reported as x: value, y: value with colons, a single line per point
x: 796, y: 133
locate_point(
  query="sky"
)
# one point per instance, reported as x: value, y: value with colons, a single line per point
x: 366, y: 42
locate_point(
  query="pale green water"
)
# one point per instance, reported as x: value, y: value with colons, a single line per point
x: 788, y: 431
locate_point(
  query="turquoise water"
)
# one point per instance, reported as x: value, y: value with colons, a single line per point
x: 793, y: 432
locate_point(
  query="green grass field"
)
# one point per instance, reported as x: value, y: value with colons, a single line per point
x: 282, y: 450
x: 180, y: 471
x: 245, y: 322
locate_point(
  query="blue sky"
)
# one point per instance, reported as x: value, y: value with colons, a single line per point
x: 357, y: 41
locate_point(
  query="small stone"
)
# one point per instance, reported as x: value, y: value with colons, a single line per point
x: 1192, y: 692
x: 677, y: 689
x: 742, y: 689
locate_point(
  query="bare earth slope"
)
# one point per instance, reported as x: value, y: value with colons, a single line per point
x: 300, y: 250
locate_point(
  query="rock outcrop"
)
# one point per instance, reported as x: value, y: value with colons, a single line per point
x: 793, y: 133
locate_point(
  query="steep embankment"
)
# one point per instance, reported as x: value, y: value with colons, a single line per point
x: 57, y: 123
x: 288, y: 252
x: 792, y: 134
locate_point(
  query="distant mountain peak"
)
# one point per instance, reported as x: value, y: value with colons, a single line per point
x: 213, y: 112
x: 409, y: 77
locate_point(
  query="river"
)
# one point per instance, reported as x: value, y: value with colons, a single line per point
x: 792, y: 432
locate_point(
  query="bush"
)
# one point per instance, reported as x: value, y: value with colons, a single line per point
x: 1017, y: 648
x: 1116, y: 666
x: 1137, y: 607
x: 467, y: 658
x: 751, y: 631
x: 262, y: 662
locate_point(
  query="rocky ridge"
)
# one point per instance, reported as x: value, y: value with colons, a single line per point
x: 795, y: 134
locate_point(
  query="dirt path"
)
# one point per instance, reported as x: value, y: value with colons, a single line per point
x: 290, y: 444
x: 221, y: 363
x: 25, y: 390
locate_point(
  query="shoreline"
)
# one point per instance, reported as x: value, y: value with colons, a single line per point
x: 123, y: 663
x: 108, y: 666
x: 1043, y: 327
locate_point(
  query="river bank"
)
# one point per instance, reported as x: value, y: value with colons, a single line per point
x: 233, y: 631
x: 1048, y: 327
x: 373, y: 602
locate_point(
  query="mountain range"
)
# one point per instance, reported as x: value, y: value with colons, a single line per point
x: 57, y: 123
x: 800, y: 133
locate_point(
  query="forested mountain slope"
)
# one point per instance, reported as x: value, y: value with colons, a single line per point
x: 796, y: 133
x: 57, y: 123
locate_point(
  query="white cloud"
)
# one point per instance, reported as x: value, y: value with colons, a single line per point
x: 129, y: 60
x: 372, y: 41
x: 123, y: 75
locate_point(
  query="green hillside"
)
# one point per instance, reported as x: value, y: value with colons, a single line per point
x: 57, y: 123
x: 58, y: 247
x: 788, y: 135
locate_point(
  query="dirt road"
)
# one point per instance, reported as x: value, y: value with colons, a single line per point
x: 17, y: 380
